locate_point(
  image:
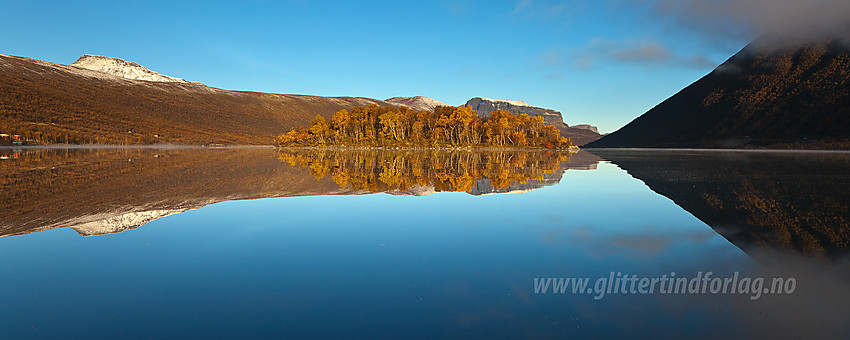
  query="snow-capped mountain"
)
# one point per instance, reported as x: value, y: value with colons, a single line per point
x: 417, y: 103
x: 122, y: 68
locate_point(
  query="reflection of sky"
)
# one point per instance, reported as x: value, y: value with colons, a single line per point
x: 448, y: 263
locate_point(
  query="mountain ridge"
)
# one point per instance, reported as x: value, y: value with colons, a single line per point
x: 107, y: 100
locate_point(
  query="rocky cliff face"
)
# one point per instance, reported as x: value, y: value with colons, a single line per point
x: 579, y: 136
x: 418, y: 103
x: 486, y: 105
x: 586, y: 127
x: 121, y: 68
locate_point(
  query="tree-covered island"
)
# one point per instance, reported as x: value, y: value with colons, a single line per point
x: 445, y: 126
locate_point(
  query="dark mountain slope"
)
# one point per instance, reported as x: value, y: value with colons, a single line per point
x: 773, y: 93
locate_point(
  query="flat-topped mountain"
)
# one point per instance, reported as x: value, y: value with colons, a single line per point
x: 121, y: 68
x: 774, y: 93
x: 486, y: 105
x: 418, y: 103
x: 579, y: 136
x: 586, y: 127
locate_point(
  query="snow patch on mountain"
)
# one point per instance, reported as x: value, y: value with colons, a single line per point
x: 122, y: 68
x: 418, y: 103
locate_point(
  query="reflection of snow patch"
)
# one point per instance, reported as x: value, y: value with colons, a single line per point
x: 416, y: 190
x: 518, y: 191
x: 103, y: 224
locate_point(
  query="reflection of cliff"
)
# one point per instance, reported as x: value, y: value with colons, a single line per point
x: 425, y: 172
x: 788, y: 201
x: 110, y: 190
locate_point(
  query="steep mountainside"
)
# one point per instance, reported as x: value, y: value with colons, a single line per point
x: 418, y: 103
x: 774, y: 93
x: 485, y: 106
x: 55, y: 103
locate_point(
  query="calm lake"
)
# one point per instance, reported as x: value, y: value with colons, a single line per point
x: 259, y: 242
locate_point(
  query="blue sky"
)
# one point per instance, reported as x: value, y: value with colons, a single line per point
x: 598, y: 62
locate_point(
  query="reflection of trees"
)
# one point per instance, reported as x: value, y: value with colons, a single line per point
x: 444, y: 170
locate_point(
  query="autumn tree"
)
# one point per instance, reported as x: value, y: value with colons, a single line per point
x: 320, y: 129
x: 443, y: 126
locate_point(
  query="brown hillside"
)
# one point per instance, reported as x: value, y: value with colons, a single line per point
x: 52, y: 103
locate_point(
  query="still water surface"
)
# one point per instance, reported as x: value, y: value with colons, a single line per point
x: 309, y: 243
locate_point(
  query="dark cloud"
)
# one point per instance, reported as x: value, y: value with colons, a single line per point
x: 646, y: 52
x: 725, y: 19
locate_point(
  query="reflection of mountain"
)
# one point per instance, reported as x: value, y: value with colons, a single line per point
x: 796, y: 201
x: 423, y: 172
x: 109, y: 190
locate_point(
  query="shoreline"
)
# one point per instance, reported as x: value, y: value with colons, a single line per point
x: 178, y: 146
x: 720, y: 150
x: 414, y: 148
x: 118, y: 146
x: 406, y: 148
